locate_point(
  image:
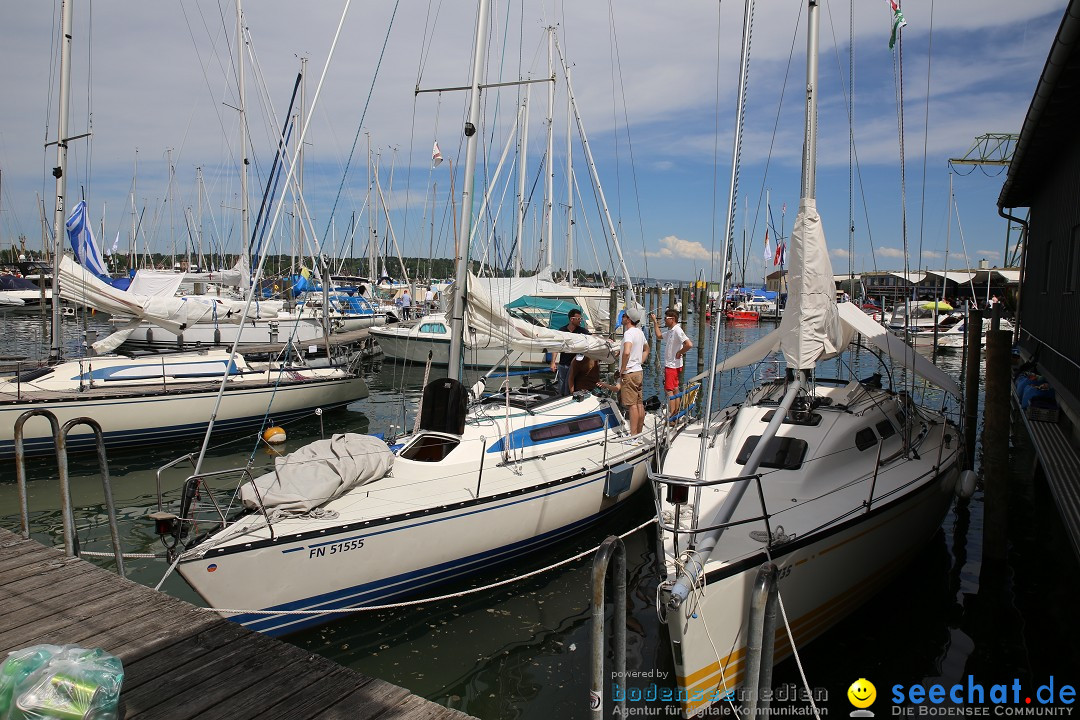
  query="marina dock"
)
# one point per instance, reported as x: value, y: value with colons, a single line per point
x: 1060, y: 462
x: 181, y: 661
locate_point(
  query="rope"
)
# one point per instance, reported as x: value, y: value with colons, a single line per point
x: 126, y: 556
x: 438, y: 598
x: 794, y: 649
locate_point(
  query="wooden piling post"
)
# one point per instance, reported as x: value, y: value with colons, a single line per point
x: 995, y: 464
x: 971, y: 383
x: 613, y: 311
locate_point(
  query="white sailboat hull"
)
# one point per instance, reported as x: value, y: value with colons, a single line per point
x: 822, y: 581
x: 135, y: 410
x: 844, y: 523
x: 401, y: 344
x: 423, y: 524
x: 253, y: 332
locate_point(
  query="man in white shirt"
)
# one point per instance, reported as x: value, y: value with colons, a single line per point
x: 673, y: 345
x: 635, y: 353
x: 429, y: 300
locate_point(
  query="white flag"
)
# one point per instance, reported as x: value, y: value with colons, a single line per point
x: 112, y: 250
x: 436, y: 155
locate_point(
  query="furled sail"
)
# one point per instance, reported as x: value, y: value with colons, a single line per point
x: 810, y: 329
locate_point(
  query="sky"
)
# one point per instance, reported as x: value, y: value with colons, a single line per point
x: 655, y: 86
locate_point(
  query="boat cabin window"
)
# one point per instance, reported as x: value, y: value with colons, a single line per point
x: 782, y: 453
x: 865, y: 438
x: 429, y: 448
x: 566, y: 429
x: 436, y: 328
x: 885, y: 429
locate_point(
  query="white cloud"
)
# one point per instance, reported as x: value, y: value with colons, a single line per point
x: 677, y: 248
x: 988, y: 254
x: 890, y: 252
x: 839, y: 252
x: 932, y: 254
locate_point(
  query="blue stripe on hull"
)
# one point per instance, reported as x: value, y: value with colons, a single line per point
x: 376, y: 592
x: 149, y: 436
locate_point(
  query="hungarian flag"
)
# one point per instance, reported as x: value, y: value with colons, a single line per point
x: 436, y: 155
x: 781, y: 254
x: 897, y: 22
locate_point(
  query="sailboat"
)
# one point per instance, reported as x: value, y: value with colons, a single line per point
x: 838, y: 483
x: 484, y: 478
x: 147, y: 400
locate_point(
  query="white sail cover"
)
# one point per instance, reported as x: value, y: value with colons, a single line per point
x: 489, y: 324
x: 79, y: 285
x: 810, y: 329
x: 318, y: 473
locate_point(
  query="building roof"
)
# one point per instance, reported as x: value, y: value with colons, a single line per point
x: 1051, y: 117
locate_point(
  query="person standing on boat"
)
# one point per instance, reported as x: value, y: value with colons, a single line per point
x: 584, y: 374
x: 406, y: 304
x: 674, y: 344
x: 635, y: 353
x: 561, y: 364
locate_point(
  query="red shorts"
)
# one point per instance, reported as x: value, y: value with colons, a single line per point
x: 671, y: 379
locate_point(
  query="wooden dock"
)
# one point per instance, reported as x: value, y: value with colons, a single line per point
x: 180, y: 661
x: 1060, y: 462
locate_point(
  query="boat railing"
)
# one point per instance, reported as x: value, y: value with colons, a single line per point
x: 201, y: 510
x: 678, y: 491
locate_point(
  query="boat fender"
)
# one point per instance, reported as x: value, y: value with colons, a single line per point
x: 274, y: 435
x: 965, y: 484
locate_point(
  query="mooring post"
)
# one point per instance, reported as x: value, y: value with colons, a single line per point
x: 971, y: 383
x: 759, y: 636
x: 995, y: 444
x: 613, y: 545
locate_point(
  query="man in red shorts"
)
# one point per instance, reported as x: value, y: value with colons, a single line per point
x: 673, y: 345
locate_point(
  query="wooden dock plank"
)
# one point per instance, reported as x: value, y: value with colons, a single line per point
x: 307, y: 702
x: 180, y: 661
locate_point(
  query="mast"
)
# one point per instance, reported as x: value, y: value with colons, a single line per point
x: 569, y: 194
x: 245, y: 250
x: 58, y: 172
x: 808, y: 186
x: 549, y: 174
x: 457, y: 319
x: 595, y: 176
x: 523, y: 141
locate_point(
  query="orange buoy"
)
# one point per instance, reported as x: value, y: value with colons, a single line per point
x: 274, y: 435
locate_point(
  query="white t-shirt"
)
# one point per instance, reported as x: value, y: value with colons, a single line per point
x: 673, y: 339
x: 636, y: 338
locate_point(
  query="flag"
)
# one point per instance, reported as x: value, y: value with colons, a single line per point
x: 768, y: 248
x: 781, y: 254
x: 82, y: 241
x: 112, y: 250
x: 898, y: 22
x: 436, y: 155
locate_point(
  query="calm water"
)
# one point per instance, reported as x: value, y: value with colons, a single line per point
x: 523, y: 651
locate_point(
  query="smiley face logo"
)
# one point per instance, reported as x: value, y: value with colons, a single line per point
x: 862, y: 693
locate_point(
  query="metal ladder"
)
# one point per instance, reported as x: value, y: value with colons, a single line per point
x: 60, y: 433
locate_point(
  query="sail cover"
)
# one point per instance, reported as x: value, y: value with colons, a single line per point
x: 490, y: 324
x: 810, y: 329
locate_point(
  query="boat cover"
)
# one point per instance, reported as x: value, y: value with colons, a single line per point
x: 318, y: 473
x: 488, y: 320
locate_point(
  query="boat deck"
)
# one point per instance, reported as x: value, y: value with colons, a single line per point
x: 181, y: 661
